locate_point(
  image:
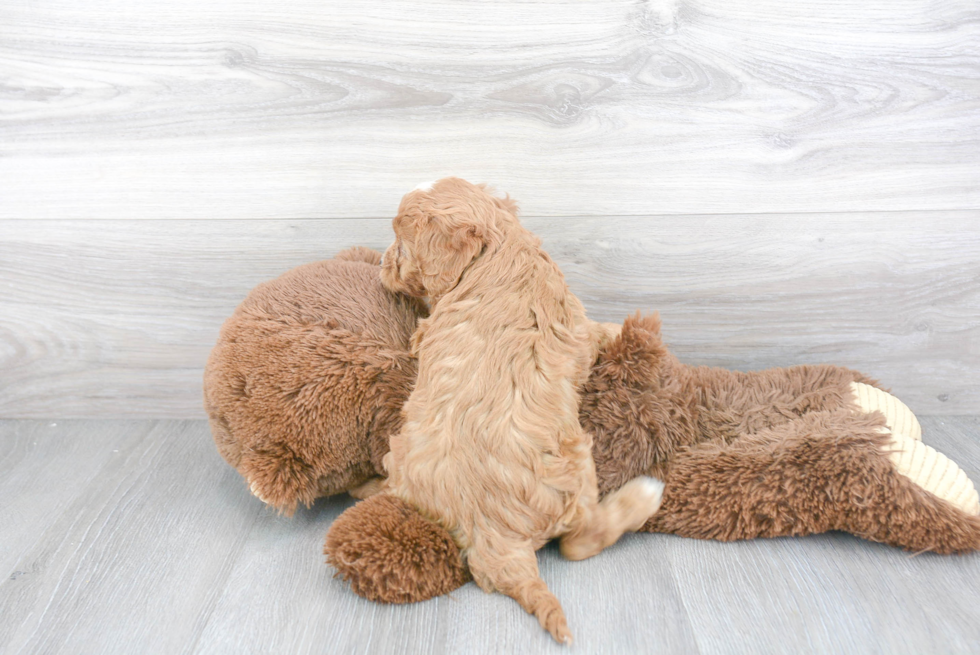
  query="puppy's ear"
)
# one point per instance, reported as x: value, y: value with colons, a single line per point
x: 410, y: 217
x: 444, y: 252
x: 419, y: 219
x: 466, y: 236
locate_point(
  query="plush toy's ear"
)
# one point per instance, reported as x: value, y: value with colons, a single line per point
x: 360, y: 254
x: 635, y: 358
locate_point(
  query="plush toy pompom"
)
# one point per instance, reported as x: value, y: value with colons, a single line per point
x: 392, y: 554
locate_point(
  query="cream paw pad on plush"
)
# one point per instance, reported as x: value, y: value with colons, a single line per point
x: 922, y: 464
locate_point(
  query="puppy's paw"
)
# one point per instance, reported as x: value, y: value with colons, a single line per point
x: 653, y: 489
x: 605, y: 333
x: 637, y: 501
x: 624, y: 510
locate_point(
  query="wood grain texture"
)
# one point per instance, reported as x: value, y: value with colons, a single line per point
x: 116, y: 318
x: 222, y: 109
x: 42, y: 465
x: 157, y: 547
x: 137, y: 557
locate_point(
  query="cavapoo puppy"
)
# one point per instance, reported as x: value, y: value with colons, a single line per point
x: 491, y: 446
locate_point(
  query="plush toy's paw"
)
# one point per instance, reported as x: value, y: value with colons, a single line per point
x: 255, y: 491
x: 392, y: 554
x: 898, y: 417
x: 934, y: 472
x: 279, y: 478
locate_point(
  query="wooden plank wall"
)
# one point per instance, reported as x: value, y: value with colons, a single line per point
x: 785, y: 182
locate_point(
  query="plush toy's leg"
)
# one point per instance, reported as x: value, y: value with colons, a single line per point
x: 279, y: 477
x: 282, y: 478
x: 833, y: 470
x: 392, y: 554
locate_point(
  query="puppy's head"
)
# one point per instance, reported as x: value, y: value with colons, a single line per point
x: 439, y: 230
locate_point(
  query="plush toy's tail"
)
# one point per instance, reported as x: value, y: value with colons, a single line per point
x: 392, y: 554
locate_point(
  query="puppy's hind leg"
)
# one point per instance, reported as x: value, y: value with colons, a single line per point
x: 600, y: 525
x: 512, y: 569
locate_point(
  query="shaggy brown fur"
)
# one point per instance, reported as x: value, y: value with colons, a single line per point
x: 743, y: 455
x: 491, y: 447
x: 674, y: 405
x: 386, y: 541
x: 786, y: 460
x: 308, y: 378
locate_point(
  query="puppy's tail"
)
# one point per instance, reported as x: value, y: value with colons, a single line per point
x: 516, y: 575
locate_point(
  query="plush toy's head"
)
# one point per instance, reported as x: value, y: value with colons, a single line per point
x: 439, y: 230
x: 306, y: 383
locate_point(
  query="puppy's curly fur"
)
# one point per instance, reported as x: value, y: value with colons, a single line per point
x: 492, y: 447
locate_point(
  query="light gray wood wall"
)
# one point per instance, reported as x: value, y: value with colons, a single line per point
x: 304, y: 109
x: 116, y: 318
x: 785, y: 182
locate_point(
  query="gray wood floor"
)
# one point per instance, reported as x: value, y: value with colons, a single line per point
x: 131, y: 536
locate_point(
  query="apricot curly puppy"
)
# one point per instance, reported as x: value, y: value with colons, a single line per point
x: 491, y: 447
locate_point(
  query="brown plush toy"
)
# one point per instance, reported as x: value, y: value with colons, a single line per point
x: 308, y: 378
x: 303, y: 391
